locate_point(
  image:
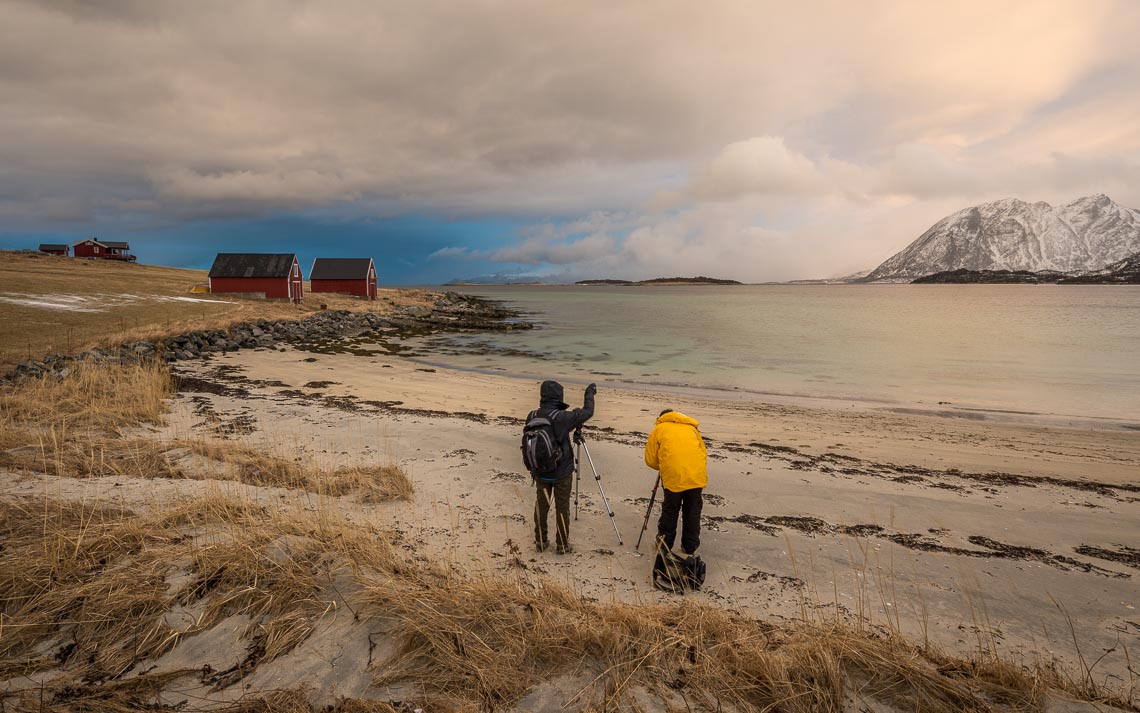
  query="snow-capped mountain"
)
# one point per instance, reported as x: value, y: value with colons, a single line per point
x: 1010, y: 234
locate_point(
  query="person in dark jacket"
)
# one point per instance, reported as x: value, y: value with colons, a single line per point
x: 558, y: 485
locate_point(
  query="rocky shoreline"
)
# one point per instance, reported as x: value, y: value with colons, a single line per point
x: 450, y: 311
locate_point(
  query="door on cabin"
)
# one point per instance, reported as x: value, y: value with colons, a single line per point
x: 371, y: 283
x: 295, y: 290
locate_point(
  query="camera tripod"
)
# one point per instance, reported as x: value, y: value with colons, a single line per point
x: 580, y: 441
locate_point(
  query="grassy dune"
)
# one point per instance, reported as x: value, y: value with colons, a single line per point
x: 87, y: 590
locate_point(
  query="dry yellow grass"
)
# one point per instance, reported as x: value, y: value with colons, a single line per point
x: 30, y: 333
x: 95, y: 579
x: 93, y: 397
x: 374, y: 483
x: 84, y: 591
x: 61, y: 454
x: 74, y: 427
x: 481, y: 645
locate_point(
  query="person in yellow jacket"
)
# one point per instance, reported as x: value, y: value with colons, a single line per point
x: 676, y: 450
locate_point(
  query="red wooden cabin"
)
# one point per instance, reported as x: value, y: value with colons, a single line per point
x: 346, y: 275
x: 273, y: 275
x: 104, y: 249
x: 61, y: 249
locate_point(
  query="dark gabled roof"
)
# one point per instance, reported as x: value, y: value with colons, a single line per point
x: 252, y: 265
x: 118, y: 244
x: 340, y: 268
x: 44, y: 247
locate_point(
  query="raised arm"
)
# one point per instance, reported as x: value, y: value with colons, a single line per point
x: 581, y: 415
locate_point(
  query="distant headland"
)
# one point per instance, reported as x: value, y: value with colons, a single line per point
x: 699, y: 280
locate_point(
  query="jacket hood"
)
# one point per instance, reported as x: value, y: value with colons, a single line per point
x: 678, y: 417
x: 550, y: 395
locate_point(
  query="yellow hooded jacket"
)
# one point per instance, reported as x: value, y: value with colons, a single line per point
x: 676, y: 449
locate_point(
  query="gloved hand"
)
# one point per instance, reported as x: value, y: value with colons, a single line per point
x: 591, y: 389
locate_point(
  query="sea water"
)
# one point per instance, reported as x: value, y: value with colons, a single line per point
x: 1047, y: 352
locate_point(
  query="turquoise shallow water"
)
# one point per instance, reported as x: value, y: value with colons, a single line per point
x: 1053, y: 351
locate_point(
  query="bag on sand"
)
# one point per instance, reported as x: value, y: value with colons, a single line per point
x: 540, y: 450
x: 674, y: 573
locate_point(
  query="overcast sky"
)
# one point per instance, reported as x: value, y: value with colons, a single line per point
x: 750, y: 140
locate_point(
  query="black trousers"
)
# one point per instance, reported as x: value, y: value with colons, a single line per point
x: 558, y: 491
x: 687, y: 504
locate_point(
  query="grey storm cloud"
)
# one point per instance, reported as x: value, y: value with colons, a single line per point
x: 742, y: 126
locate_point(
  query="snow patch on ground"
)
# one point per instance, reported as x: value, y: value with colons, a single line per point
x: 193, y: 299
x: 91, y: 303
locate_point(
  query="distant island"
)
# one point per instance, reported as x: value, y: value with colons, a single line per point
x: 478, y: 283
x: 699, y: 280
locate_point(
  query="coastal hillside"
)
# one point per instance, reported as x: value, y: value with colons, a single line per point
x: 54, y: 304
x: 1010, y: 234
x: 1122, y: 272
x: 962, y: 276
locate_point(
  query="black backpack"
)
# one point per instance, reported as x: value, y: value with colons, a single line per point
x: 540, y: 450
x: 676, y: 574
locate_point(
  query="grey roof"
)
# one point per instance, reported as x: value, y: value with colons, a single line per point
x: 340, y: 268
x: 252, y: 265
x: 106, y: 243
x: 54, y: 246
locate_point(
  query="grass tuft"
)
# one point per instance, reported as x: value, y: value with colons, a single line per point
x: 87, y: 588
x: 374, y: 483
x: 93, y: 399
x: 76, y: 426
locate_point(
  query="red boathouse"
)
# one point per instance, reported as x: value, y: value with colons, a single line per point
x: 273, y: 275
x: 61, y: 249
x: 104, y: 249
x: 346, y: 275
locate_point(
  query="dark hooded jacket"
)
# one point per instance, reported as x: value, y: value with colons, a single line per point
x: 564, y: 420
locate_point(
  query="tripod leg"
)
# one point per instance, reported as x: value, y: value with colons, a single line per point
x: 577, y: 479
x: 605, y: 500
x: 648, y: 511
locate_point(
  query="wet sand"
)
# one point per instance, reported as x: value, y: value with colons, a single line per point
x: 967, y: 534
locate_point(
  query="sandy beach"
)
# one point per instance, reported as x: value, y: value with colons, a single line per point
x: 960, y: 533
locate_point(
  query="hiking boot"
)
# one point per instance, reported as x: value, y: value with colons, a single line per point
x: 565, y: 549
x: 542, y: 546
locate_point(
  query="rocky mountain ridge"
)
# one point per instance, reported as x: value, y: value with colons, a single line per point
x: 1082, y: 236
